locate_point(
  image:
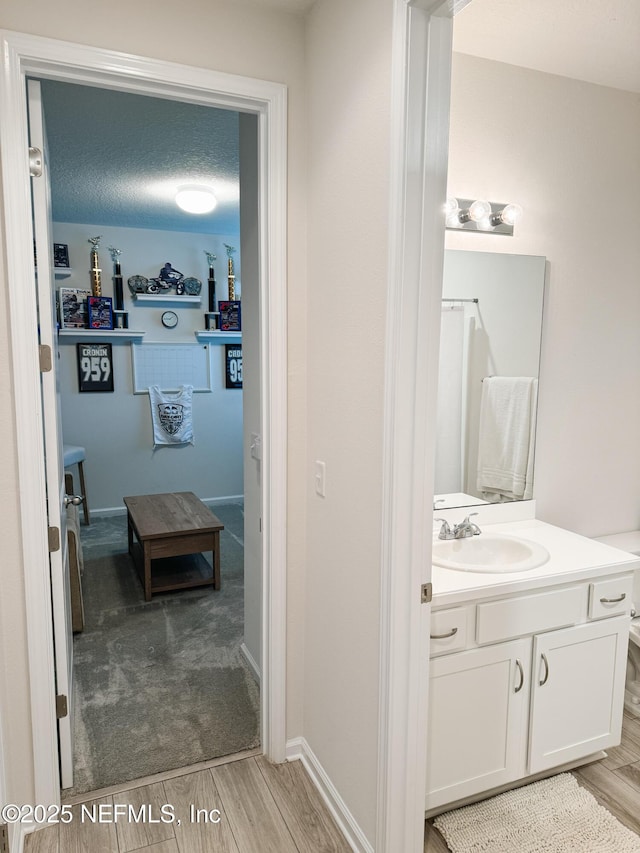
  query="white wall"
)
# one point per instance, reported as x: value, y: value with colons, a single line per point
x: 566, y: 151
x: 115, y: 428
x: 349, y: 59
x: 226, y: 36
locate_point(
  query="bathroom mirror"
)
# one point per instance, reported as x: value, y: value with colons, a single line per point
x: 489, y: 365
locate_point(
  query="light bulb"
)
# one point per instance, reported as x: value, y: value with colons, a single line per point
x: 479, y: 210
x: 453, y: 220
x: 484, y: 224
x: 196, y: 199
x: 510, y: 214
x: 451, y: 206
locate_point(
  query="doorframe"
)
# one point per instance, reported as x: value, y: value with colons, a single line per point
x: 422, y: 55
x: 26, y: 55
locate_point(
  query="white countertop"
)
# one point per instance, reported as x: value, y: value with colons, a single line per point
x: 572, y: 558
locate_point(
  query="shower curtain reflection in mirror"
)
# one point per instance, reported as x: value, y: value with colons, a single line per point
x: 452, y: 391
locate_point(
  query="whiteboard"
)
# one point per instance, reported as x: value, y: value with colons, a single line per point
x: 170, y: 366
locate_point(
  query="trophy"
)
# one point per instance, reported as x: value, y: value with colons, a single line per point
x: 212, y: 282
x: 96, y: 283
x: 117, y: 278
x: 231, y: 279
x: 120, y: 316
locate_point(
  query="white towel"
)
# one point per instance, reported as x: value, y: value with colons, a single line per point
x: 507, y: 436
x: 171, y: 415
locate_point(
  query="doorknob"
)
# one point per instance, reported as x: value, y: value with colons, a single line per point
x: 74, y: 500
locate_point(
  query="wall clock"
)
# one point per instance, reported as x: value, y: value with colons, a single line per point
x: 170, y: 319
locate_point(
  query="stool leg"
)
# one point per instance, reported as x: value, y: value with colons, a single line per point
x: 85, y: 505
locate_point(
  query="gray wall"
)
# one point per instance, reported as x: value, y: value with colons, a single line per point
x: 115, y: 429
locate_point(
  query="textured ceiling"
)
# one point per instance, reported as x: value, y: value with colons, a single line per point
x: 593, y: 40
x: 118, y: 159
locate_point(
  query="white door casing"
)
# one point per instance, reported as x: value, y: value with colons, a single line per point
x: 419, y: 157
x: 25, y: 55
x: 54, y: 464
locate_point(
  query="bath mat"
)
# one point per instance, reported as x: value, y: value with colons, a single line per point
x: 555, y: 815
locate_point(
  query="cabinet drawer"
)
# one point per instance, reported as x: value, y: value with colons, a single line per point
x: 449, y: 630
x: 611, y: 597
x: 530, y: 614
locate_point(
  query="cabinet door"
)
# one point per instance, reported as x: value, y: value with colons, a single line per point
x: 578, y: 691
x: 478, y: 702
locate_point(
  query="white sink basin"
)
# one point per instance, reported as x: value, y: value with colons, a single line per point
x: 489, y: 552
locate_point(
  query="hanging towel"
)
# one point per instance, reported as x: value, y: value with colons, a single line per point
x: 171, y: 415
x: 506, y: 437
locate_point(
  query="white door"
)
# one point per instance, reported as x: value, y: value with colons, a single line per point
x: 478, y: 703
x: 54, y: 466
x: 578, y: 691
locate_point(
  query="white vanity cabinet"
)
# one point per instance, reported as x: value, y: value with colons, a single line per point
x: 504, y: 706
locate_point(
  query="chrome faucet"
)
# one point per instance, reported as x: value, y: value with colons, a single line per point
x: 462, y: 530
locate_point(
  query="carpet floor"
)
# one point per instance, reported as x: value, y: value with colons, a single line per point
x: 555, y: 815
x: 160, y: 684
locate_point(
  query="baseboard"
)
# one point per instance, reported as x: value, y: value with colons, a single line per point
x: 255, y: 669
x: 298, y: 748
x: 105, y: 512
x: 17, y: 834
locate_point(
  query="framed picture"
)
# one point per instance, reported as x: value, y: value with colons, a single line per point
x: 95, y: 367
x: 61, y: 255
x: 233, y: 365
x: 230, y: 315
x: 100, y: 312
x: 72, y: 305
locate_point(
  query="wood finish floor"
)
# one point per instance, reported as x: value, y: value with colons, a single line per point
x: 263, y: 808
x: 614, y: 782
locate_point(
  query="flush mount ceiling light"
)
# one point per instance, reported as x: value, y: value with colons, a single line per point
x: 465, y: 214
x: 196, y: 199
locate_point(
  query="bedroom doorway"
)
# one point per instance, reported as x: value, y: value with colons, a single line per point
x: 175, y: 671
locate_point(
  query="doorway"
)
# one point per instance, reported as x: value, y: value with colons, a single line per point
x: 169, y: 681
x: 267, y: 102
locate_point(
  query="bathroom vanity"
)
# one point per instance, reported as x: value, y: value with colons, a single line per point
x: 527, y: 668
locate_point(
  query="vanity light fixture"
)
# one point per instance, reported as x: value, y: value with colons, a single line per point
x: 196, y: 199
x: 464, y: 214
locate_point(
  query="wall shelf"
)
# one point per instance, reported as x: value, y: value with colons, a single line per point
x: 62, y: 272
x: 101, y: 334
x: 208, y: 337
x: 166, y: 298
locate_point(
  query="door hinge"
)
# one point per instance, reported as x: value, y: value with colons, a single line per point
x: 426, y: 593
x: 62, y: 706
x: 4, y: 838
x: 46, y: 359
x: 54, y: 539
x: 35, y: 162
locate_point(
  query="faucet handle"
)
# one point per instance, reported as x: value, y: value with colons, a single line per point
x: 445, y: 530
x: 470, y: 524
